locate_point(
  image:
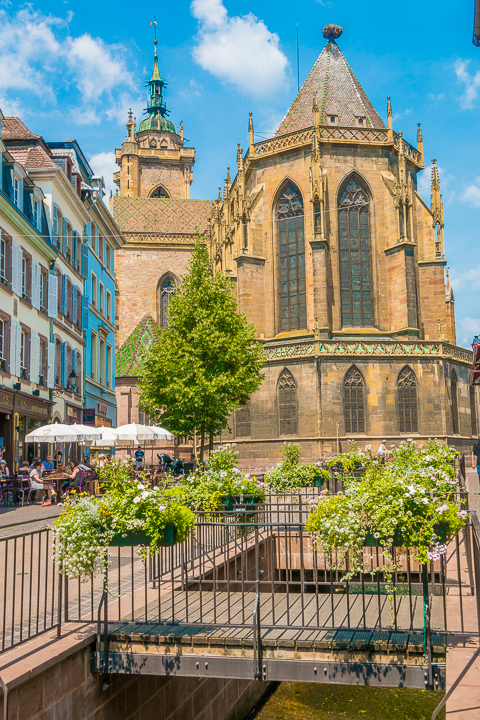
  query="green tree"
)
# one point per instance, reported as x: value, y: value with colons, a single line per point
x: 206, y: 362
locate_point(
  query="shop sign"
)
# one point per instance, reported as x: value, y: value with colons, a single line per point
x: 103, y: 422
x: 6, y: 401
x: 102, y: 409
x: 73, y: 414
x: 25, y: 406
x: 89, y: 416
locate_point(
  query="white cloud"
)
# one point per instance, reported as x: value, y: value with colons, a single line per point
x: 425, y: 181
x: 437, y: 98
x: 104, y: 164
x: 39, y: 57
x: 471, y: 195
x: 194, y: 89
x: 468, y: 280
x: 403, y: 113
x: 240, y: 50
x: 469, y: 327
x: 471, y: 83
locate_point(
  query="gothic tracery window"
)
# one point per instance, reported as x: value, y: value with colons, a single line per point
x: 164, y: 294
x: 293, y: 297
x: 287, y: 403
x: 407, y: 400
x: 454, y: 392
x: 354, y: 242
x: 159, y: 192
x: 353, y: 398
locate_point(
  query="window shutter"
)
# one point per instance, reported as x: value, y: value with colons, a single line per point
x: 51, y: 365
x: 74, y: 304
x: 74, y: 361
x: 16, y: 269
x: 84, y: 312
x: 64, y: 236
x: 64, y: 294
x: 64, y: 365
x: 87, y: 232
x: 13, y: 347
x: 52, y: 296
x: 18, y: 350
x: 74, y: 249
x: 84, y: 259
x: 55, y: 225
x: 36, y: 285
x: 34, y: 357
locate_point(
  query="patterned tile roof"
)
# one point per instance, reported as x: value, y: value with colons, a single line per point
x: 129, y: 357
x: 338, y: 93
x: 14, y: 129
x: 161, y: 215
x: 31, y: 157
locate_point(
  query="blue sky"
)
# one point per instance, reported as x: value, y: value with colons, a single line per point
x: 72, y: 70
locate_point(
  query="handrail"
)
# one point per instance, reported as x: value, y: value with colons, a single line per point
x: 257, y: 638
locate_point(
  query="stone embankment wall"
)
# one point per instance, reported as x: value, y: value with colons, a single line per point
x: 68, y: 690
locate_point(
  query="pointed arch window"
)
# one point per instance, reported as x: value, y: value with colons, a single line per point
x: 293, y: 294
x: 354, y: 242
x: 166, y: 287
x: 454, y: 391
x: 407, y: 400
x: 353, y: 394
x: 159, y: 192
x: 287, y: 403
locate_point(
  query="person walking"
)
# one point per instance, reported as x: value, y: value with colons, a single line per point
x: 476, y: 457
x: 139, y: 455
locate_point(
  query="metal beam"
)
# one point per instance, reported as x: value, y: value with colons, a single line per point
x: 339, y: 673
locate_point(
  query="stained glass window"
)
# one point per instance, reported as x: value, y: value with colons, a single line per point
x: 287, y: 403
x: 407, y: 400
x: 354, y: 242
x: 454, y: 390
x: 293, y: 294
x: 165, y: 290
x: 353, y: 387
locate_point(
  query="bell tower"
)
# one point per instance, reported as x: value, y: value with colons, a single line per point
x: 153, y: 160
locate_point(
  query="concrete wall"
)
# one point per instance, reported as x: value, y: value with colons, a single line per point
x: 69, y: 691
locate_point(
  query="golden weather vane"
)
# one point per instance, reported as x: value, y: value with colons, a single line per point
x: 154, y: 25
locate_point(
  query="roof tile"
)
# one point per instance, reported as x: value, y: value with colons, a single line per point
x: 14, y: 129
x: 161, y: 215
x: 338, y: 93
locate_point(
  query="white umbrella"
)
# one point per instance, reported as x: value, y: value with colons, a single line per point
x: 106, y: 438
x: 161, y: 433
x: 60, y: 433
x: 135, y: 433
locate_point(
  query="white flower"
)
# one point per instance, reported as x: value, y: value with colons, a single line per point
x: 141, y: 486
x: 223, y: 473
x: 442, y: 508
x: 463, y: 514
x: 137, y: 499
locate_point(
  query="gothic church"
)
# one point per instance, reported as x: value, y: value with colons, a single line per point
x: 334, y: 256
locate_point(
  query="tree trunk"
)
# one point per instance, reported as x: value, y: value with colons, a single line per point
x: 202, y: 443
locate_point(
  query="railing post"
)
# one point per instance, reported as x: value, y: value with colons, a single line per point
x: 257, y: 638
x: 59, y: 610
x: 426, y: 630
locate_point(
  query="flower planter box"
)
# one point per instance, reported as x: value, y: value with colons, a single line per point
x: 132, y: 538
x: 398, y: 541
x: 230, y: 502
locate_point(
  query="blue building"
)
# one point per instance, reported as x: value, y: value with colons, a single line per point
x: 100, y: 240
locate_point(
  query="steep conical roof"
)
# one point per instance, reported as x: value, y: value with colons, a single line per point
x: 339, y: 95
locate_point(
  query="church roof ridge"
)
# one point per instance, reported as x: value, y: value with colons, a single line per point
x: 340, y: 95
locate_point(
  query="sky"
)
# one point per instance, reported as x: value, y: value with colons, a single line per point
x: 72, y: 70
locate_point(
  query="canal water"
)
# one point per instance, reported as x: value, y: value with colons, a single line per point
x: 304, y: 701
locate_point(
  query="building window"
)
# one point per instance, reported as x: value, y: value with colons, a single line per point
x: 103, y: 364
x: 78, y: 370
x: 454, y: 391
x: 354, y: 242
x: 37, y: 214
x: 42, y: 363
x: 290, y: 221
x: 353, y: 391
x: 243, y: 426
x: 101, y: 243
x: 24, y: 355
x: 59, y: 293
x: 58, y: 361
x: 94, y: 290
x: 101, y: 297
x: 287, y: 403
x: 26, y: 277
x: 407, y: 401
x: 5, y: 264
x: 17, y: 192
x: 109, y: 367
x: 109, y: 306
x: 473, y: 410
x: 3, y: 353
x: 108, y: 259
x: 43, y: 291
x: 166, y: 287
x: 94, y: 356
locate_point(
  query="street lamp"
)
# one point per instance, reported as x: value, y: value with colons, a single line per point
x: 72, y: 381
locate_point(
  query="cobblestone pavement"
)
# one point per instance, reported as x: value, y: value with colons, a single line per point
x: 18, y: 519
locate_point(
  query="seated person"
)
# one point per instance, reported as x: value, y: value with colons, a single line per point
x: 48, y: 464
x: 36, y: 483
x: 73, y: 478
x: 41, y: 470
x: 24, y: 470
x: 4, y: 471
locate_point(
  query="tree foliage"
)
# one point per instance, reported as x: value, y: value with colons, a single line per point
x: 206, y: 362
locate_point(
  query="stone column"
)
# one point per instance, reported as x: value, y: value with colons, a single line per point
x: 321, y: 286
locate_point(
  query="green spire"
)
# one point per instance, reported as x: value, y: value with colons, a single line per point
x: 157, y: 110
